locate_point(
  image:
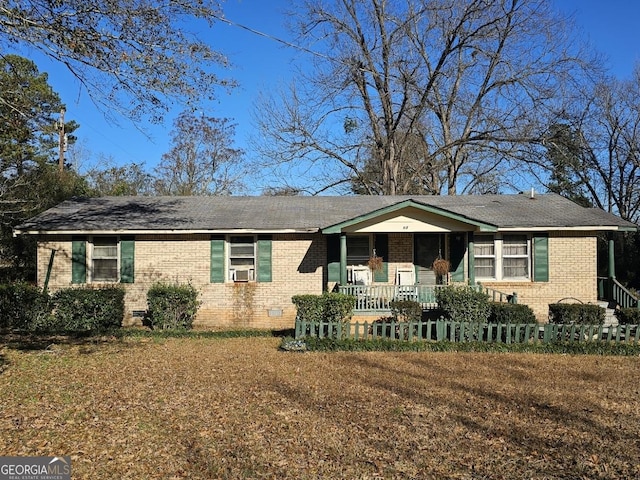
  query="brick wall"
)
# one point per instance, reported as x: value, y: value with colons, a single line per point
x: 572, y: 274
x: 297, y: 269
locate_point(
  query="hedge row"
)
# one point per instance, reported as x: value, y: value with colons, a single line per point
x: 574, y: 348
x: 26, y: 307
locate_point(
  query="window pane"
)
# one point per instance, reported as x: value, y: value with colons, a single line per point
x: 515, y: 267
x: 105, y: 270
x: 105, y: 251
x: 241, y: 250
x: 484, y: 246
x: 357, y: 250
x: 485, y: 267
x: 515, y: 245
x: 240, y: 262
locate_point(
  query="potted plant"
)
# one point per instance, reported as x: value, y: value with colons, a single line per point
x: 441, y: 269
x: 375, y: 265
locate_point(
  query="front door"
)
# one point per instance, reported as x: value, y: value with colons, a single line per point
x: 426, y: 248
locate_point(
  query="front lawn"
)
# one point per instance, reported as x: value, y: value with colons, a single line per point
x: 208, y: 408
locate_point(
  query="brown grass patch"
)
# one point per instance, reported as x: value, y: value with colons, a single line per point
x: 239, y: 408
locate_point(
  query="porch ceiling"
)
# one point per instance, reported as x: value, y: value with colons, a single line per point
x: 410, y: 216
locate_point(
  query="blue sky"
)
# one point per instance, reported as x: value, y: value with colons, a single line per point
x: 263, y: 64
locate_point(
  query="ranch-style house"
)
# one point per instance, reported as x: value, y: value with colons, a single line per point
x: 248, y: 256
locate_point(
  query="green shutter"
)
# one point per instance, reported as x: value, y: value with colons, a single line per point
x: 127, y: 259
x: 333, y: 258
x: 78, y: 260
x: 217, y: 259
x: 458, y: 245
x: 264, y: 258
x: 381, y: 245
x: 541, y: 258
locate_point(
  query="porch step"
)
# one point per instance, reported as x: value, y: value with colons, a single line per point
x: 610, y: 319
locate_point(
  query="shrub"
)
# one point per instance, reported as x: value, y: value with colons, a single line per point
x: 85, y: 309
x: 628, y: 316
x: 463, y: 304
x: 328, y: 307
x: 406, y: 311
x: 22, y: 306
x: 511, y: 313
x: 576, y: 313
x: 336, y: 308
x: 171, y: 306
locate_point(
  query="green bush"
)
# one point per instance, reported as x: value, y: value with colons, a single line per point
x: 406, y: 311
x: 84, y: 309
x: 463, y: 304
x: 328, y: 307
x: 336, y: 308
x: 22, y: 305
x: 576, y: 313
x: 171, y: 306
x: 511, y: 313
x: 628, y: 316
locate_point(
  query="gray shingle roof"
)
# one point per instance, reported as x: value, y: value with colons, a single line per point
x: 302, y: 213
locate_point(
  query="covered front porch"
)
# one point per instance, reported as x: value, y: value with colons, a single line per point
x: 410, y: 250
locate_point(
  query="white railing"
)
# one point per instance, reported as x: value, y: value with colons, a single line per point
x: 378, y: 298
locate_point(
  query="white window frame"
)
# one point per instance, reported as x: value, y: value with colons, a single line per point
x: 499, y: 255
x: 235, y: 274
x: 93, y: 257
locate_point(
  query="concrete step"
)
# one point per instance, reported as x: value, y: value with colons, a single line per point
x: 610, y: 319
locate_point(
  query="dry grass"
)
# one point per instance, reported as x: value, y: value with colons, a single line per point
x: 239, y: 408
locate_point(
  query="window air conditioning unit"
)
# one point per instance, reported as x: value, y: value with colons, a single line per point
x: 242, y: 275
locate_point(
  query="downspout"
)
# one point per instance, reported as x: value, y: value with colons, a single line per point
x: 343, y: 259
x: 49, y: 268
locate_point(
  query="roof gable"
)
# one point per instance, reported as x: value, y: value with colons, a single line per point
x: 399, y: 212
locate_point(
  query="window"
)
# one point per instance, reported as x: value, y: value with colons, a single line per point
x: 242, y: 258
x: 104, y: 259
x: 484, y: 256
x: 515, y: 256
x: 358, y: 250
x: 506, y: 257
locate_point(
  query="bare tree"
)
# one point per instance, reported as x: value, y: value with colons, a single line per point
x: 133, y: 57
x: 593, y: 152
x: 469, y: 79
x: 113, y: 179
x: 201, y: 160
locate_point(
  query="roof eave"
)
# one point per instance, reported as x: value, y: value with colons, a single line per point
x: 17, y: 232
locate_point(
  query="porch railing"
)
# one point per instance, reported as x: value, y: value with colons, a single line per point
x: 610, y: 290
x: 378, y: 298
x: 446, y: 330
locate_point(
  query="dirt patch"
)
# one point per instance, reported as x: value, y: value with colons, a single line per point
x: 239, y: 408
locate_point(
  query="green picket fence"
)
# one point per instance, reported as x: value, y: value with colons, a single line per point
x: 445, y: 330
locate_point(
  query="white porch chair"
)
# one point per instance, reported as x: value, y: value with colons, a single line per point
x: 361, y: 275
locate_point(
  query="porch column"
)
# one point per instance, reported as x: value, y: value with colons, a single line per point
x: 472, y: 261
x: 343, y: 259
x: 612, y: 257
